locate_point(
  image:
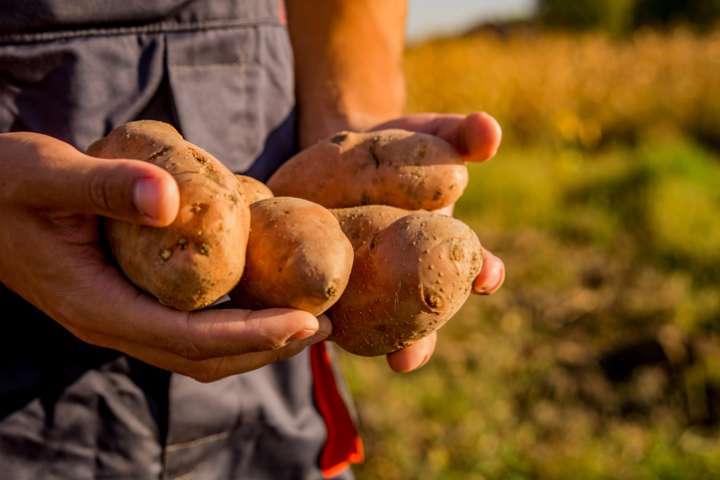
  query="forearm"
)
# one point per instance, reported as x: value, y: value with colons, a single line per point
x: 348, y: 63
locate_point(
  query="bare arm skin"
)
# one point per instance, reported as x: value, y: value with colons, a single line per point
x: 348, y: 63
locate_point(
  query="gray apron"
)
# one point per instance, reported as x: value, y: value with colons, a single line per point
x: 221, y: 71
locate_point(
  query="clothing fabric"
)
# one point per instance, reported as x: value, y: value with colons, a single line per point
x: 220, y: 71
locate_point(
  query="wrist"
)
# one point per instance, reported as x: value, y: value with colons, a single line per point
x: 316, y: 124
x: 314, y: 128
x: 348, y: 64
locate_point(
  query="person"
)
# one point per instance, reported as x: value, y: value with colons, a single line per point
x: 98, y: 380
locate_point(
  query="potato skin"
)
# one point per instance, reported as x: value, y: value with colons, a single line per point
x: 409, y: 170
x: 297, y: 257
x: 201, y: 255
x: 360, y: 224
x: 251, y: 189
x: 406, y: 282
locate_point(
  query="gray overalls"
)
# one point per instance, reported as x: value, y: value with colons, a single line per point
x: 220, y: 71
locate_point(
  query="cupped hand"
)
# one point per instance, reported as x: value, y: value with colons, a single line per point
x: 51, y: 254
x: 477, y: 138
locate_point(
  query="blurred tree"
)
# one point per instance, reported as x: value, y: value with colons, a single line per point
x: 659, y: 11
x: 578, y: 14
x: 702, y: 13
x: 612, y: 15
x: 618, y: 16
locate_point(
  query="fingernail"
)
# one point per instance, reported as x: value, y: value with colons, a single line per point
x: 302, y: 334
x: 325, y: 325
x: 493, y: 279
x: 146, y: 194
x: 485, y: 137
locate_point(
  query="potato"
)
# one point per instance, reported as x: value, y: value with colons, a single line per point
x: 408, y: 278
x: 298, y: 257
x: 201, y: 255
x: 404, y: 169
x: 360, y: 224
x: 251, y: 189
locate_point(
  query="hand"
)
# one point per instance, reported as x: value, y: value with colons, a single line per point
x: 50, y: 254
x: 477, y: 137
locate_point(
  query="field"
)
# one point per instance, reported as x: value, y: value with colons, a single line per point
x: 600, y: 358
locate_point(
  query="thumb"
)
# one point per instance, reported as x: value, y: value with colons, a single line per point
x: 55, y: 175
x: 130, y: 190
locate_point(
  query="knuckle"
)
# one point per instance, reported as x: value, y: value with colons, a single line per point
x: 189, y: 348
x: 190, y: 351
x: 99, y: 192
x: 266, y: 340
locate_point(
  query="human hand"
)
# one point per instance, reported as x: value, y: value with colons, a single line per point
x: 51, y: 254
x: 476, y: 137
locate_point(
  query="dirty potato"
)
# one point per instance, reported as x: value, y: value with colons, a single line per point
x: 251, y: 189
x: 409, y: 170
x: 408, y: 278
x: 200, y: 256
x: 297, y: 257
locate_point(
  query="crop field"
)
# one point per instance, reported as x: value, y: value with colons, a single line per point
x: 600, y: 357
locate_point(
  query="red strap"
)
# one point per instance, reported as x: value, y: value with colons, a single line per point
x: 282, y: 13
x: 344, y: 446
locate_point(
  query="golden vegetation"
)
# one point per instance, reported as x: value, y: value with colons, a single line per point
x: 584, y: 88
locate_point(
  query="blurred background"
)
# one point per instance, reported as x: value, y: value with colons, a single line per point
x: 600, y: 358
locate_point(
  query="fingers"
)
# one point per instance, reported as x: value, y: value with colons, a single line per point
x: 414, y: 356
x: 226, y: 332
x: 491, y: 276
x: 110, y: 306
x: 476, y: 136
x: 213, y: 369
x: 50, y: 174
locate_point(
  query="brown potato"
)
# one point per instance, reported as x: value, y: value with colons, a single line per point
x: 407, y: 280
x: 409, y: 170
x: 251, y: 189
x: 201, y: 255
x: 298, y: 257
x: 360, y: 224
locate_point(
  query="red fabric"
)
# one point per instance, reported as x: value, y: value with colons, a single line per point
x: 344, y: 446
x: 282, y: 12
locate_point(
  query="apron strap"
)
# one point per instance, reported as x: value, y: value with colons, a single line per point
x: 344, y: 445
